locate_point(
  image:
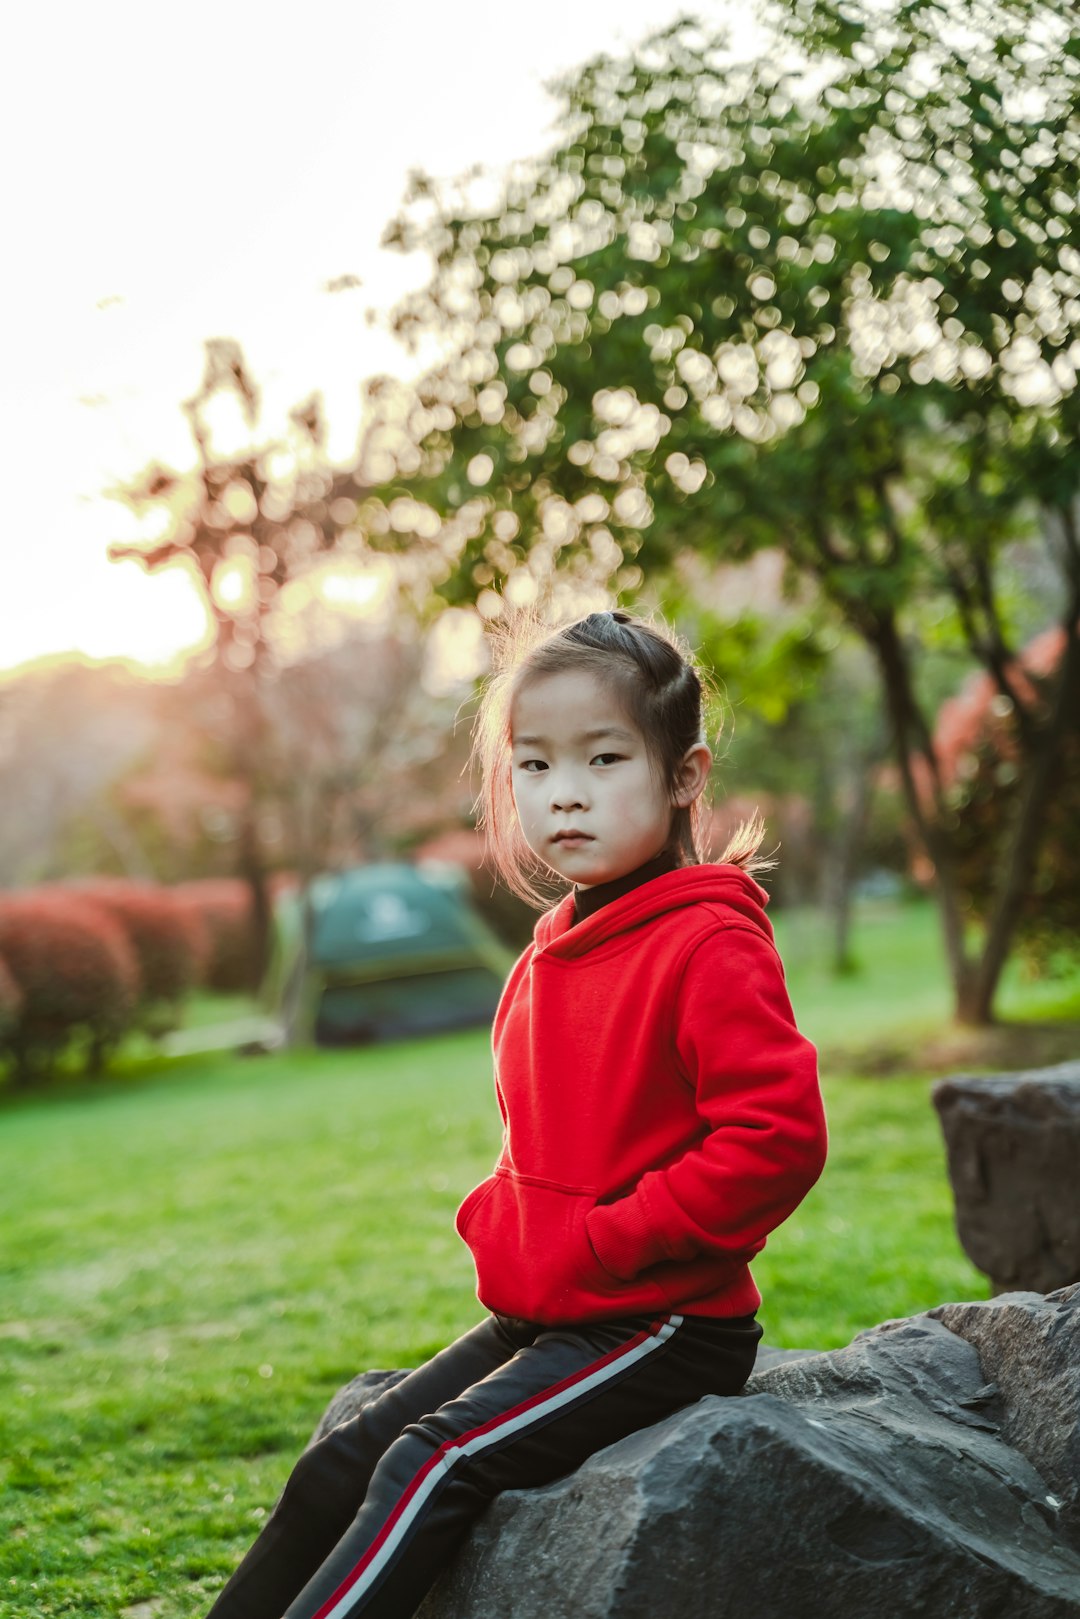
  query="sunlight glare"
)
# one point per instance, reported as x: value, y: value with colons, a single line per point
x: 230, y: 431
x: 158, y: 620
x: 456, y: 652
x: 359, y: 590
x: 233, y: 585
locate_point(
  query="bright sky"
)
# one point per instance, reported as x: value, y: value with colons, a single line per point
x: 182, y: 172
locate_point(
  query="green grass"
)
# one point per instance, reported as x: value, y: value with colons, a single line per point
x: 193, y: 1266
x: 190, y: 1268
x: 197, y: 1254
x: 203, y: 1011
x: 900, y: 992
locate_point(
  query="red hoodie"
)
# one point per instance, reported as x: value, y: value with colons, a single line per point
x: 661, y: 1110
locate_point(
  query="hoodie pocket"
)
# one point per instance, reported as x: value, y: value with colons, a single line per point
x: 532, y: 1253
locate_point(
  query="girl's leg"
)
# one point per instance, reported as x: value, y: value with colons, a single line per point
x: 329, y: 1482
x: 564, y: 1395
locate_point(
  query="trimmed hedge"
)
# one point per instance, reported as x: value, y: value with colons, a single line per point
x: 222, y: 908
x: 83, y: 963
x: 169, y: 941
x: 76, y: 975
x: 976, y: 741
x: 10, y: 999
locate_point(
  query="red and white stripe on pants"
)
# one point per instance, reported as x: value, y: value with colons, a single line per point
x: 372, y: 1513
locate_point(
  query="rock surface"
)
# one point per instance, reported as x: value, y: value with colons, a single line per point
x: 1013, y: 1146
x: 1030, y: 1347
x: 931, y: 1467
x: 352, y: 1397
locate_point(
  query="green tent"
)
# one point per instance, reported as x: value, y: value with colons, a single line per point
x: 393, y: 950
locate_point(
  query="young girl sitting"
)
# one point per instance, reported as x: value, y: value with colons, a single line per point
x: 661, y: 1116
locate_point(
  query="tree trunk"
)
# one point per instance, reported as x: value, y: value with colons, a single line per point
x: 1022, y: 845
x: 248, y: 743
x: 308, y: 857
x: 253, y: 872
x: 971, y: 1007
x: 911, y: 737
x: 845, y: 864
x: 294, y: 999
x: 975, y: 979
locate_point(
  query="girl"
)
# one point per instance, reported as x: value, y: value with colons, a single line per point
x: 661, y: 1116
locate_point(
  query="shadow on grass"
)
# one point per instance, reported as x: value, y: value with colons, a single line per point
x: 952, y: 1049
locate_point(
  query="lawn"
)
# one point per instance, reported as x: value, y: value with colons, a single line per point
x: 198, y: 1254
x: 901, y: 994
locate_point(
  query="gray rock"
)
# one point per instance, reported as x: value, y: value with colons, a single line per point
x: 1030, y: 1347
x: 352, y: 1397
x: 869, y: 1481
x: 767, y: 1356
x: 1013, y: 1146
x: 899, y: 1477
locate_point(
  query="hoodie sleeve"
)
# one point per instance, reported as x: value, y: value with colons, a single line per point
x: 755, y: 1081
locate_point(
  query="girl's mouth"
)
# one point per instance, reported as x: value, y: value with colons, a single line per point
x: 571, y: 839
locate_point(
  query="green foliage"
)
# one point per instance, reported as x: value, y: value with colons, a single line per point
x: 770, y: 663
x: 832, y: 722
x: 825, y: 302
x: 735, y: 308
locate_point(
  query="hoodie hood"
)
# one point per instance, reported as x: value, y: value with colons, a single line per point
x: 556, y: 934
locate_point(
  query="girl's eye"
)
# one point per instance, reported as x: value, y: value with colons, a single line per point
x: 532, y: 765
x: 606, y: 759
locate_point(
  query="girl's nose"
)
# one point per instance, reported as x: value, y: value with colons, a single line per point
x: 566, y: 794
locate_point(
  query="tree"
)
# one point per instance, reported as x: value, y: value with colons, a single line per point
x: 253, y: 526
x: 828, y: 747
x: 357, y: 751
x: 976, y: 743
x: 825, y: 301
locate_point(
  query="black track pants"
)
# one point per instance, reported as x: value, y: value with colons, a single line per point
x: 373, y: 1512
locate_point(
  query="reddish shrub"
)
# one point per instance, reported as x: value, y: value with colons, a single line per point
x: 75, y: 971
x: 10, y: 999
x: 222, y: 908
x: 981, y: 761
x: 168, y: 939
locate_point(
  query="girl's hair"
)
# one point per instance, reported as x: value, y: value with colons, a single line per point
x: 660, y: 689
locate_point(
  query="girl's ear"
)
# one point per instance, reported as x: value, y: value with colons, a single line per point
x: 692, y: 775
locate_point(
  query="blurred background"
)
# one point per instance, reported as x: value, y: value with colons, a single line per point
x: 329, y: 336
x: 326, y: 348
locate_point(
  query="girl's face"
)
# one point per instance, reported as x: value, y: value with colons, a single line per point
x: 588, y: 800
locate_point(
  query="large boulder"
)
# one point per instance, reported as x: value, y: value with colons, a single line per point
x: 1013, y: 1146
x: 353, y: 1397
x: 1029, y: 1346
x: 929, y: 1467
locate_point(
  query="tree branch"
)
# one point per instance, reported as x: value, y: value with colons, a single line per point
x: 988, y: 648
x: 1022, y: 852
x: 888, y: 518
x: 912, y: 736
